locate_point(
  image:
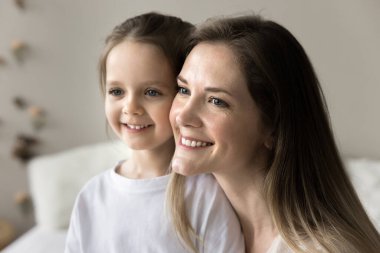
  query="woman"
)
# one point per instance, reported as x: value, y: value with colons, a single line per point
x: 250, y: 110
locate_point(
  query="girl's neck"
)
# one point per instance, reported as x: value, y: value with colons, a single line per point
x: 244, y: 190
x: 148, y: 163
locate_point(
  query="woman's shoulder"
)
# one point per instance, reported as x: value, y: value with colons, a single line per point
x: 279, y: 246
x: 205, y: 191
x: 204, y: 184
x: 205, y: 179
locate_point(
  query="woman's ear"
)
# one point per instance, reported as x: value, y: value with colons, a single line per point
x: 269, y: 142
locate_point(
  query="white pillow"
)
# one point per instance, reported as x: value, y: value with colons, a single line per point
x: 56, y: 179
x: 365, y: 176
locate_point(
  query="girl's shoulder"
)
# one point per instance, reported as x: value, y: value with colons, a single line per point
x: 95, y: 184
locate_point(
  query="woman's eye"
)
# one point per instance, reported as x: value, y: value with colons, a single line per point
x: 218, y: 102
x: 115, y: 92
x: 183, y: 91
x: 152, y: 93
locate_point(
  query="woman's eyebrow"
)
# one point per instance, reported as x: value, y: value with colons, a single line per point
x: 209, y: 89
x: 181, y: 79
x: 219, y: 90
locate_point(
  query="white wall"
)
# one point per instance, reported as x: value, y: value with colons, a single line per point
x: 65, y: 38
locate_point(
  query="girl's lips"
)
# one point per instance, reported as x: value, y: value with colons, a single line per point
x: 193, y: 143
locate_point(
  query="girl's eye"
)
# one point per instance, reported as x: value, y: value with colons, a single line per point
x: 183, y: 91
x: 116, y: 92
x: 218, y: 102
x: 152, y: 93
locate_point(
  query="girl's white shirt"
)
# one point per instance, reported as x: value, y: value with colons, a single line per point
x: 115, y: 214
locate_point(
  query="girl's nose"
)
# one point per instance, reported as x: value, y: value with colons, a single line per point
x: 132, y: 107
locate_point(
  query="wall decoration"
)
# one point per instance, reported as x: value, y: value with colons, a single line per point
x: 37, y: 117
x: 25, y: 144
x: 36, y: 113
x: 23, y: 148
x: 19, y: 102
x: 20, y: 3
x: 23, y: 201
x: 2, y: 60
x: 19, y: 49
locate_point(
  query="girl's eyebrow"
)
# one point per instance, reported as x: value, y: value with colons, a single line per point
x: 153, y: 82
x: 112, y: 83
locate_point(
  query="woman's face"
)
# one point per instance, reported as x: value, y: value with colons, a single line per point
x: 216, y: 123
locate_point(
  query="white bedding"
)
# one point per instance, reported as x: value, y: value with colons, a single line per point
x: 39, y: 240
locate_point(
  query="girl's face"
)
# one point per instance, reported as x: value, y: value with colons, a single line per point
x: 216, y: 123
x: 140, y: 87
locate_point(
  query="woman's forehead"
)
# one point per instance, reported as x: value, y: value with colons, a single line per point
x: 212, y: 63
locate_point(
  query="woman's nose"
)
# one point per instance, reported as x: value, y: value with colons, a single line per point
x: 189, y: 114
x: 132, y: 106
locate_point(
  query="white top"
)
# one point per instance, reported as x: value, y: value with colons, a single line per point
x: 279, y: 246
x: 116, y: 214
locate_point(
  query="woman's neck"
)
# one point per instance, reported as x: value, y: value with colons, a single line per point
x: 244, y: 190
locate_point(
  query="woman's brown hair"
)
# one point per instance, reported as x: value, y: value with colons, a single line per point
x: 309, y: 194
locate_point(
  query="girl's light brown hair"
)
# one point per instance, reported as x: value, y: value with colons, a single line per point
x: 310, y: 197
x: 171, y: 35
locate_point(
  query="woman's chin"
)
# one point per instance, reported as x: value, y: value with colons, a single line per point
x: 184, y: 167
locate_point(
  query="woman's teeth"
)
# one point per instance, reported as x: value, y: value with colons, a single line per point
x: 193, y: 144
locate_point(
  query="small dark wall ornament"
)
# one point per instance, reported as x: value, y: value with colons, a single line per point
x: 2, y: 61
x: 20, y: 4
x: 24, y: 146
x: 20, y: 103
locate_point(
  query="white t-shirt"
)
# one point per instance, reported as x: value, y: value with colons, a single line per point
x: 279, y: 246
x: 115, y: 214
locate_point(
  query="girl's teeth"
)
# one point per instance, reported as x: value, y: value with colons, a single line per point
x: 137, y: 127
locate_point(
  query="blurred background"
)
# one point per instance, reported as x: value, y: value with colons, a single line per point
x: 49, y: 96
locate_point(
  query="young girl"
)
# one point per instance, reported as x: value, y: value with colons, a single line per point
x: 123, y: 209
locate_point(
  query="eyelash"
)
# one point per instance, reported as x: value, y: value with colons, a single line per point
x: 215, y: 101
x: 113, y: 90
x: 157, y: 93
x: 118, y: 92
x: 218, y: 102
x: 183, y: 91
